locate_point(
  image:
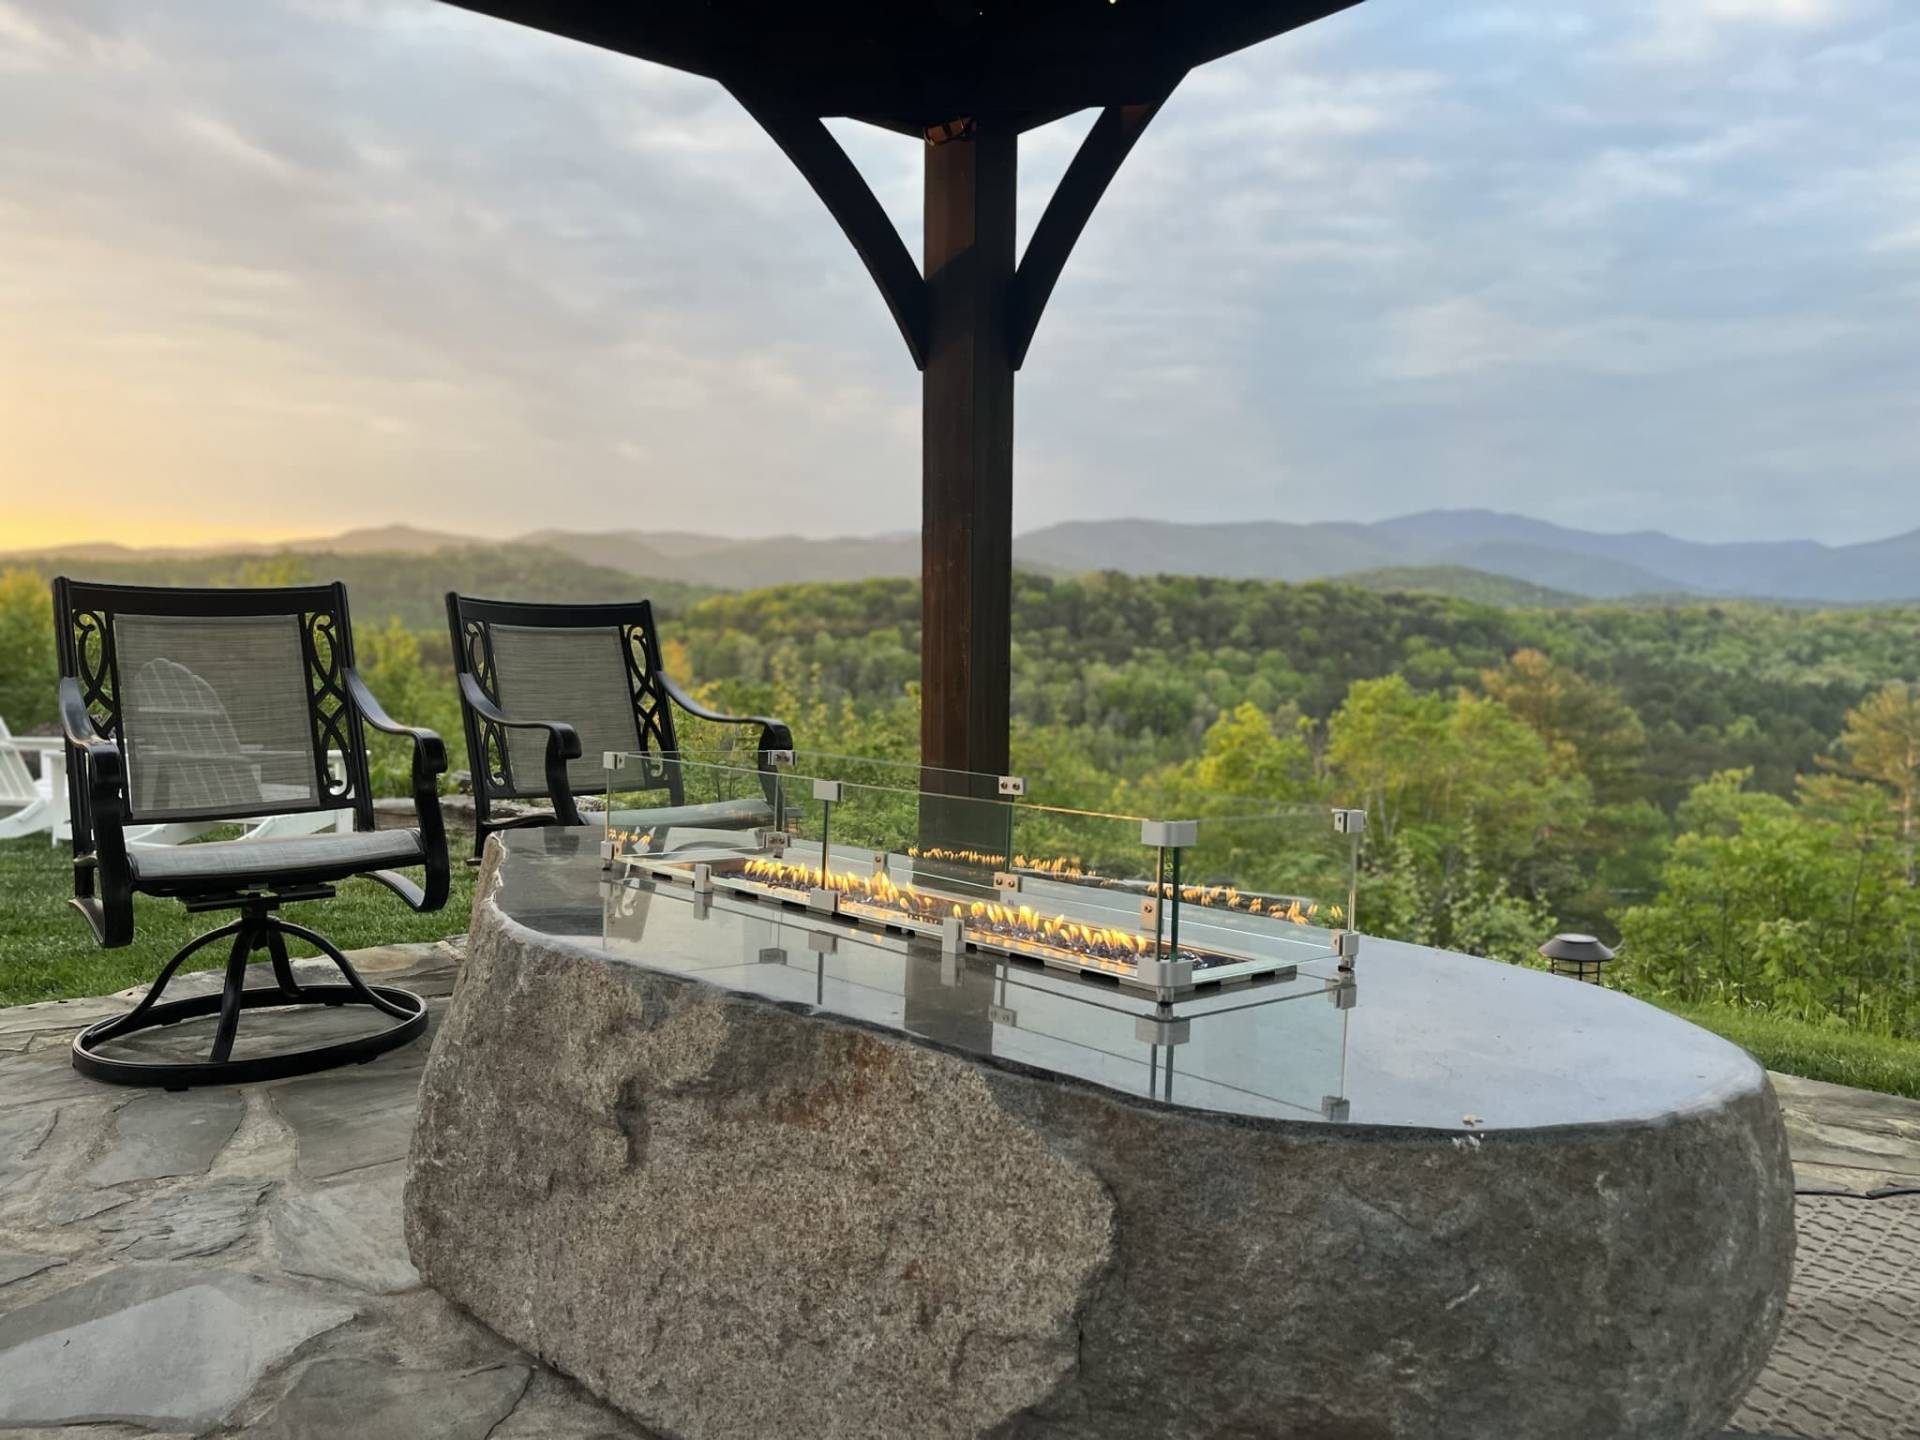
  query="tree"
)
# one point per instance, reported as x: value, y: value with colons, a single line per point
x: 1804, y: 910
x: 1380, y: 747
x: 1245, y: 754
x: 1589, y: 726
x: 284, y: 568
x: 390, y: 659
x: 1474, y: 818
x: 1433, y: 763
x: 1881, y: 744
x: 29, y: 678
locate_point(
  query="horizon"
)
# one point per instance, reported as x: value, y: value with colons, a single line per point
x: 1607, y: 266
x: 510, y: 537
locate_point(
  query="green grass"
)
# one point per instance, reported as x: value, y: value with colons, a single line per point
x: 1793, y: 1047
x: 48, y: 953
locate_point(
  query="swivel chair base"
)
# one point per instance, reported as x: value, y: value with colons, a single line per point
x: 257, y: 928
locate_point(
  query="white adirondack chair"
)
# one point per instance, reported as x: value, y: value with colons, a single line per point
x: 270, y: 827
x: 27, y: 805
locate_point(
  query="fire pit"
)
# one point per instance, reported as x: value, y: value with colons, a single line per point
x: 976, y: 864
x: 754, y: 1171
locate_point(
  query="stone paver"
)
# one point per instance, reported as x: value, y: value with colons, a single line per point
x: 1850, y: 1140
x: 288, y: 1306
x: 152, y: 1345
x: 388, y: 1403
x: 22, y: 1133
x: 351, y: 1119
x: 156, y: 1134
x: 1848, y: 1361
x: 15, y: 1265
x: 348, y: 1231
x: 201, y: 1219
x: 65, y: 1209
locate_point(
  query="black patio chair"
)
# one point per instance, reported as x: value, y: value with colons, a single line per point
x: 183, y: 704
x: 547, y: 692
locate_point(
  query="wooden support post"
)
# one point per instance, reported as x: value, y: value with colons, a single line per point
x: 967, y: 451
x: 967, y: 323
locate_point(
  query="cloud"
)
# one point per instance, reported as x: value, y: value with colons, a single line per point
x: 1646, y: 261
x: 1698, y: 30
x: 226, y: 143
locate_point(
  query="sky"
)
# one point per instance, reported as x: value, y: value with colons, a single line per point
x: 282, y: 267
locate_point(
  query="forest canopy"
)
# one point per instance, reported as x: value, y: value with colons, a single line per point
x: 1729, y: 789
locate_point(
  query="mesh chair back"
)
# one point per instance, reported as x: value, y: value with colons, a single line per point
x: 593, y: 666
x: 214, y: 719
x: 224, y: 702
x: 573, y: 673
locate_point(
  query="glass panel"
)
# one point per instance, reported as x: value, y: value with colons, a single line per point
x: 1277, y: 886
x: 1275, y: 1049
x: 895, y: 774
x: 656, y: 806
x: 1163, y: 907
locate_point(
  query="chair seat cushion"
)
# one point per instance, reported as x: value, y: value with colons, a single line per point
x: 742, y: 814
x: 218, y: 864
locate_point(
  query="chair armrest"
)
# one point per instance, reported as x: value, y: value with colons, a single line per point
x: 102, y: 769
x: 563, y: 744
x: 774, y: 734
x: 429, y: 761
x: 103, y: 881
x: 429, y: 750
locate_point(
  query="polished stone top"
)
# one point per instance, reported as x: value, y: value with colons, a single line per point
x: 1431, y: 1040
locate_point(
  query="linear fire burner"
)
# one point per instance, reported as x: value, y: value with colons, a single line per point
x: 976, y: 865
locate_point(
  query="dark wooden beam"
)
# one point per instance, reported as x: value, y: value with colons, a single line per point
x: 966, y: 629
x: 838, y: 182
x: 1099, y: 159
x: 908, y: 64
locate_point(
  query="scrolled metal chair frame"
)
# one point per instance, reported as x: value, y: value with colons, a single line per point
x: 340, y: 710
x: 655, y: 694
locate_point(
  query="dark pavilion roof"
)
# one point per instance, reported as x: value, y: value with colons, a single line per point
x: 913, y: 64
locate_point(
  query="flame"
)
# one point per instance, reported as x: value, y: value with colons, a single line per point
x: 1103, y: 945
x: 1215, y: 897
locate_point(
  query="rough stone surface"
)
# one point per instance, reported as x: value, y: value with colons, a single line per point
x: 201, y: 1219
x: 158, y: 1134
x: 348, y: 1231
x: 737, y: 1219
x: 947, y: 1290
x: 374, y: 1401
x: 151, y: 1345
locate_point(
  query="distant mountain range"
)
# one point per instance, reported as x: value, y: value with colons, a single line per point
x: 1454, y: 551
x: 1579, y: 562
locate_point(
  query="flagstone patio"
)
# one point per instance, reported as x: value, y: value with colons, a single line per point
x: 227, y: 1262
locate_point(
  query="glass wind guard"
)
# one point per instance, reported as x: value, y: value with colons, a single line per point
x: 1089, y: 877
x: 899, y: 775
x: 658, y: 806
x: 1265, y: 887
x: 1166, y: 908
x: 901, y: 859
x: 1277, y: 1049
